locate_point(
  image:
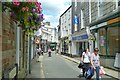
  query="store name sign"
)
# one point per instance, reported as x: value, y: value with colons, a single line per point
x: 80, y: 37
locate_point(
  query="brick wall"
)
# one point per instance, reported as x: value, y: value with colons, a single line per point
x: 8, y: 41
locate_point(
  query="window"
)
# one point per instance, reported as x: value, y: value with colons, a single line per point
x: 100, y: 8
x: 82, y: 19
x: 117, y: 4
x: 102, y: 40
x: 89, y: 11
x: 113, y: 40
x: 75, y: 3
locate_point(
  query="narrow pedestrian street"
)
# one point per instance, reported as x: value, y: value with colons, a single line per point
x: 48, y: 39
x: 57, y: 67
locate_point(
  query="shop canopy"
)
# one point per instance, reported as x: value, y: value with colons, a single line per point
x: 52, y: 44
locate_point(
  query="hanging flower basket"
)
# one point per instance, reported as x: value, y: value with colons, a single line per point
x: 92, y: 37
x: 24, y: 12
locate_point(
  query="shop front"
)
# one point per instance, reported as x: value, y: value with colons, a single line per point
x: 108, y: 40
x: 79, y: 44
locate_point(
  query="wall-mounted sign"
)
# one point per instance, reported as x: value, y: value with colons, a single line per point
x: 37, y: 41
x: 76, y: 21
x: 80, y: 37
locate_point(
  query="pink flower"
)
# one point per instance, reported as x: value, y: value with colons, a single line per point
x: 29, y: 2
x: 37, y: 4
x: 16, y: 3
x: 27, y: 8
x: 23, y: 8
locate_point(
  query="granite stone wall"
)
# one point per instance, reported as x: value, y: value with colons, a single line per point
x: 8, y: 41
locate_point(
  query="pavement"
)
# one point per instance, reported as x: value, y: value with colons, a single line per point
x: 108, y: 72
x: 36, y: 69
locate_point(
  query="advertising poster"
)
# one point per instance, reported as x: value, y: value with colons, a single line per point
x: 102, y: 41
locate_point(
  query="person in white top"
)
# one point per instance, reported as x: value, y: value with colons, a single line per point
x: 49, y: 52
x: 86, y: 59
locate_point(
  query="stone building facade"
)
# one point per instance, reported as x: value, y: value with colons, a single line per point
x: 8, y: 42
x: 105, y: 20
x: 80, y: 21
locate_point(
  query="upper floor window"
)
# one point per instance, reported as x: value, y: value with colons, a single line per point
x: 100, y: 8
x: 89, y: 11
x: 75, y: 3
x: 82, y: 19
x: 119, y: 3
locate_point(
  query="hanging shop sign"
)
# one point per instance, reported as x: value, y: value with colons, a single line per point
x: 37, y: 41
x: 76, y: 21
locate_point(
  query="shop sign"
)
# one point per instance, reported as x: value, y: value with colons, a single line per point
x: 80, y: 37
x: 76, y: 21
x: 37, y: 41
x: 113, y: 20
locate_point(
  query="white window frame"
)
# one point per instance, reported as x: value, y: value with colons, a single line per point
x: 75, y: 3
x: 89, y: 11
x: 116, y: 4
x: 99, y: 5
x: 82, y: 20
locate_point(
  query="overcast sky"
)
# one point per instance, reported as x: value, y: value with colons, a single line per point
x: 52, y: 9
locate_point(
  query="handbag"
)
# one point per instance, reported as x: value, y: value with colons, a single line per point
x: 81, y: 65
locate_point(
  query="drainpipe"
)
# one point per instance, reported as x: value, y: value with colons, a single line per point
x: 32, y: 47
x: 106, y: 42
x: 90, y: 41
x: 18, y: 46
x: 29, y: 53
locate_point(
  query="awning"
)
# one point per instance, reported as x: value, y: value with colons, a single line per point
x: 52, y: 44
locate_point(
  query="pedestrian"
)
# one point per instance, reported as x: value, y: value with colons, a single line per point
x: 86, y: 59
x: 39, y: 50
x: 96, y: 62
x: 49, y: 52
x: 42, y: 51
x: 37, y: 54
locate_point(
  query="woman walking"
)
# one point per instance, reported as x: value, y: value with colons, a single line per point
x: 96, y: 62
x: 86, y: 58
x: 49, y: 52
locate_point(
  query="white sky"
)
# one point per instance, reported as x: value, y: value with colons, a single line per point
x: 52, y: 9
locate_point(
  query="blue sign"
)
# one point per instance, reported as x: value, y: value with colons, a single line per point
x: 76, y: 20
x: 80, y: 37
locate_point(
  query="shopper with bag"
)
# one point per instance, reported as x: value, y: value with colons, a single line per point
x: 96, y: 62
x: 86, y: 58
x: 101, y: 71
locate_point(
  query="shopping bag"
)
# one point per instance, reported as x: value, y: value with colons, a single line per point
x: 81, y: 65
x: 101, y: 70
x: 90, y: 73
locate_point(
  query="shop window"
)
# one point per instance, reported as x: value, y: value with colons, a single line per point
x: 113, y: 41
x: 102, y: 40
